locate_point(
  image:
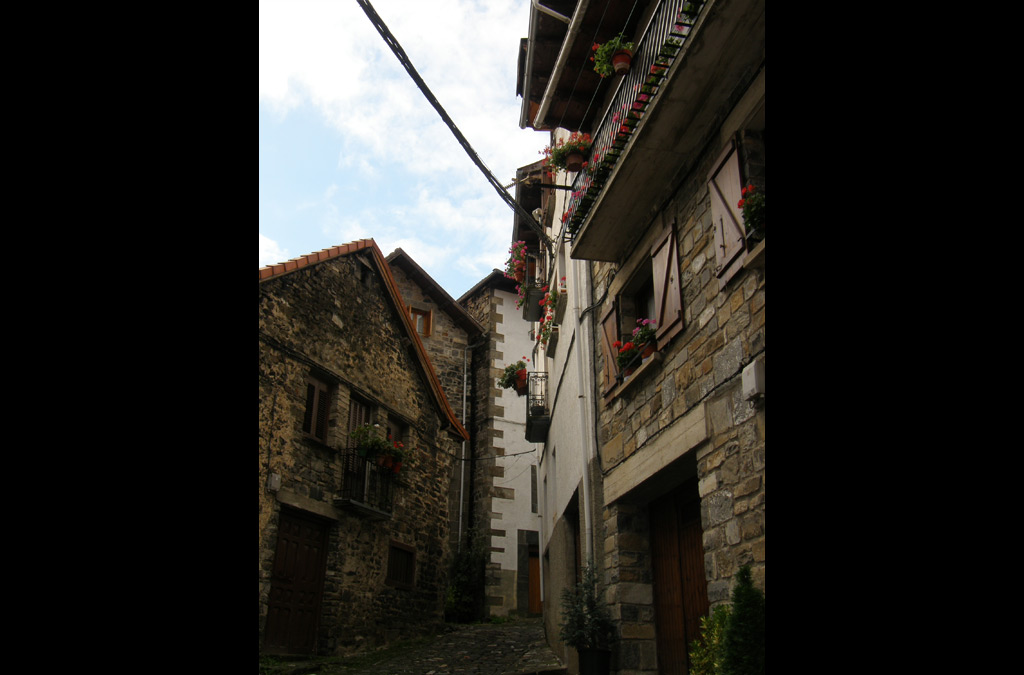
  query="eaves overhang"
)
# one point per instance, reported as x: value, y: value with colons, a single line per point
x: 721, y: 58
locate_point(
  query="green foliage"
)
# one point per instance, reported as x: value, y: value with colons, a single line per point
x: 369, y: 438
x: 753, y: 209
x: 508, y: 378
x: 603, y: 54
x: 744, y: 635
x: 586, y: 623
x: 464, y: 602
x: 707, y: 652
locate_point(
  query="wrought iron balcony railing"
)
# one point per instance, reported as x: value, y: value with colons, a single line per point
x: 367, y: 486
x: 669, y: 27
x: 538, y: 412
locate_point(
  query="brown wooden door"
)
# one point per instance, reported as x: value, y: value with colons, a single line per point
x: 534, y: 579
x: 680, y: 587
x: 296, y: 585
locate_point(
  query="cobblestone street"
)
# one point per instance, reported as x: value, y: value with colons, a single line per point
x: 514, y: 648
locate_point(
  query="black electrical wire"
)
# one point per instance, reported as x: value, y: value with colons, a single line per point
x: 403, y: 58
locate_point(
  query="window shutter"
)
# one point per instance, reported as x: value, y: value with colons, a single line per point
x: 668, y: 301
x: 609, y: 334
x: 307, y: 420
x: 321, y: 414
x: 724, y: 188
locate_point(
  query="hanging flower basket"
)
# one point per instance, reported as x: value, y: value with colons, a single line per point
x: 574, y: 161
x: 521, y: 381
x: 621, y: 60
x: 613, y: 56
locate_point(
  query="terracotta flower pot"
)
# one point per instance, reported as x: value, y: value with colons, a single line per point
x: 574, y: 161
x: 521, y: 376
x: 396, y: 467
x: 648, y: 350
x: 621, y: 60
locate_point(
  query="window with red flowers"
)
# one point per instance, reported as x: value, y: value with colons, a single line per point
x: 651, y: 297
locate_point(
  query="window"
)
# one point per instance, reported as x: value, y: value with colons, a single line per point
x: 318, y: 402
x: 401, y: 565
x: 420, y: 320
x: 358, y: 415
x: 652, y: 292
x: 735, y: 167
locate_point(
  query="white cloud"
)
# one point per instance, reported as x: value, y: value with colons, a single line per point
x: 271, y: 253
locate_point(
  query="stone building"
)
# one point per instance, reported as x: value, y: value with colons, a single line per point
x: 665, y: 490
x: 505, y: 463
x: 450, y: 335
x: 352, y: 553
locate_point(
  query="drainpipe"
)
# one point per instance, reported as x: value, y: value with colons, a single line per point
x: 462, y: 477
x: 586, y: 429
x: 563, y: 56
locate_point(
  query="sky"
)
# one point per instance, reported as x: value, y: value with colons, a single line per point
x: 351, y: 149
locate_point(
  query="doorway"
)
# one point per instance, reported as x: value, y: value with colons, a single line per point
x: 296, y: 584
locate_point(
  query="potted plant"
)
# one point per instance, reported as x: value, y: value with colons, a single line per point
x: 515, y: 266
x: 627, y: 354
x: 568, y: 154
x: 397, y: 456
x: 586, y: 624
x: 369, y: 441
x: 752, y: 204
x: 613, y: 56
x: 643, y: 336
x: 515, y: 376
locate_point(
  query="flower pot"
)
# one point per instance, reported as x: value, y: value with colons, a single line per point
x: 396, y: 467
x: 595, y: 661
x: 621, y: 60
x: 648, y: 351
x: 574, y: 161
x: 521, y: 383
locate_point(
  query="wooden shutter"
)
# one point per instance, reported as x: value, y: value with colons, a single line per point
x: 314, y: 421
x: 609, y: 334
x: 668, y: 300
x: 724, y: 187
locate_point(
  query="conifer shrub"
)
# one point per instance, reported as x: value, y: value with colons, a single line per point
x: 744, y: 633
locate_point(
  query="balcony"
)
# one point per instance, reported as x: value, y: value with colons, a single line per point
x: 538, y: 414
x: 686, y: 74
x: 367, y: 489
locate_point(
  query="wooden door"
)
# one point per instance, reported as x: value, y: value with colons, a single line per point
x: 296, y: 585
x: 680, y: 587
x: 534, y: 580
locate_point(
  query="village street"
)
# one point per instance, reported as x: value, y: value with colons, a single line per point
x: 514, y: 648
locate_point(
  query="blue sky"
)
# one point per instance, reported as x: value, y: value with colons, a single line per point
x: 349, y: 147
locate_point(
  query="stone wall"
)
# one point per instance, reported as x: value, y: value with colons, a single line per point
x: 688, y: 401
x: 335, y: 320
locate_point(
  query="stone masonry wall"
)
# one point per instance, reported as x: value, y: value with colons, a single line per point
x: 700, y: 368
x: 333, y: 319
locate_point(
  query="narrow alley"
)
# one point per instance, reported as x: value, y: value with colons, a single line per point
x: 514, y: 648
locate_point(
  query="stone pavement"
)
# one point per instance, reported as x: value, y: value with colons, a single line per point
x: 514, y: 648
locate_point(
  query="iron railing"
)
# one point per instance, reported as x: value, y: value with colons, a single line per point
x: 367, y: 482
x: 662, y: 41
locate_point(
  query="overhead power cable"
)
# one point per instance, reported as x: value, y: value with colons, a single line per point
x: 403, y: 58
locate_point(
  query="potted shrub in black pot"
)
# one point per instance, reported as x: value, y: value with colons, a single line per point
x: 587, y: 626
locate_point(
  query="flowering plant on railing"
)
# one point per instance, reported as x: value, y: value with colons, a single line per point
x: 557, y: 156
x: 515, y: 266
x: 547, y: 321
x: 753, y: 210
x: 630, y: 105
x: 369, y: 440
